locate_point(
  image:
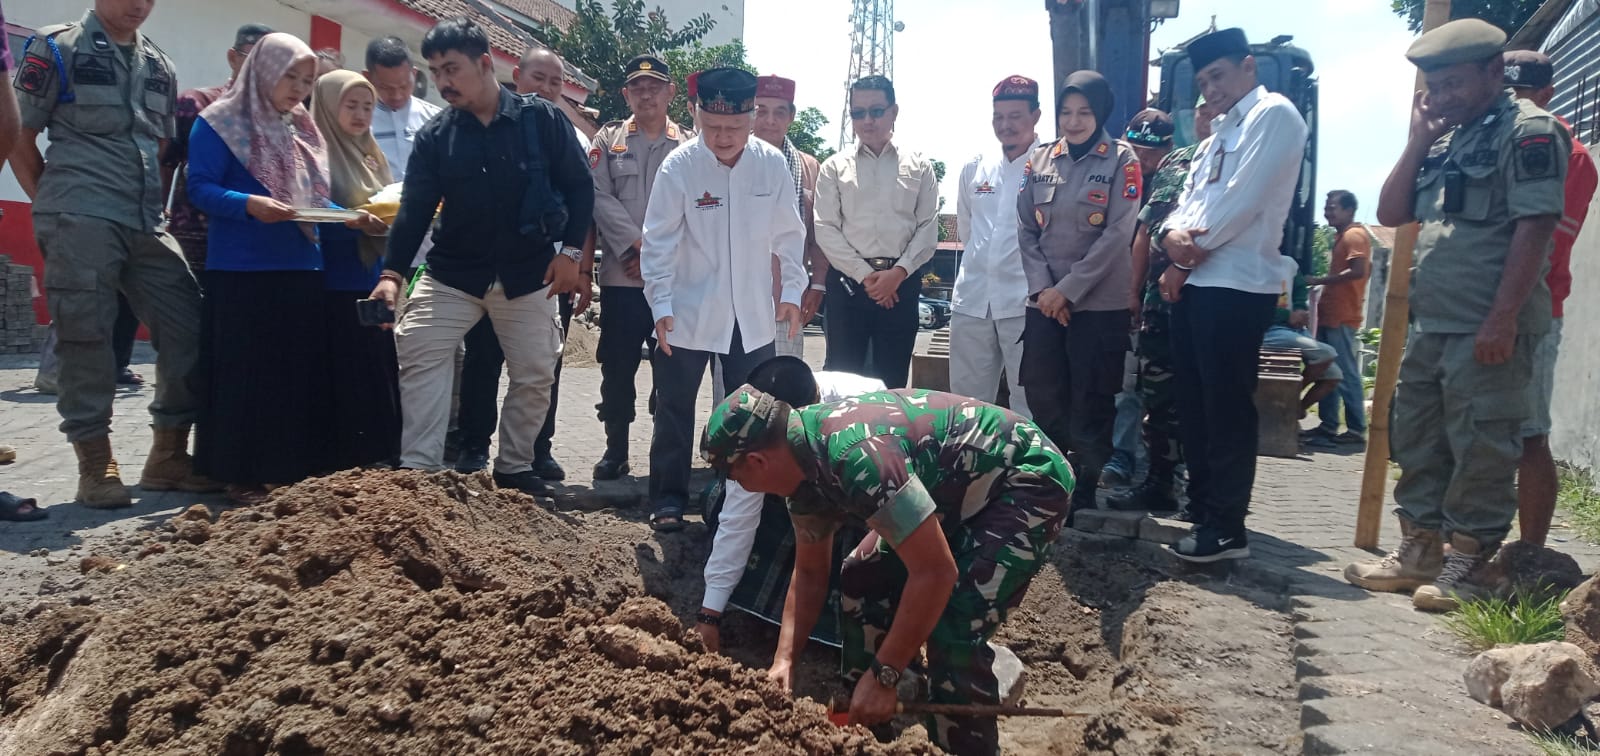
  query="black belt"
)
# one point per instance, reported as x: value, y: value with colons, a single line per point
x: 881, y: 263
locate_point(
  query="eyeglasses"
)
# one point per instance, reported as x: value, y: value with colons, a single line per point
x: 861, y: 115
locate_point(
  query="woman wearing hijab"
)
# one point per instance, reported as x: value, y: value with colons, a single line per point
x: 363, y: 380
x: 255, y: 158
x: 1077, y: 213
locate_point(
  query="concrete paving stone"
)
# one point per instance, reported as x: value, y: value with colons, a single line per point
x: 1365, y: 738
x: 1163, y: 530
x: 1109, y: 522
x: 1374, y: 642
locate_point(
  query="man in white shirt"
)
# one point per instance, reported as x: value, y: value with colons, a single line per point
x: 722, y: 205
x: 1224, y: 282
x: 989, y: 307
x: 877, y: 221
x: 759, y: 585
x: 399, y: 113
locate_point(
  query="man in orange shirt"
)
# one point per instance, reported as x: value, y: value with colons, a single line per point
x: 1530, y: 76
x: 1344, y: 294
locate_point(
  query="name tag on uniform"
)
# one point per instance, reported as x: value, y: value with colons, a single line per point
x: 1216, y: 166
x: 93, y: 70
x: 157, y: 80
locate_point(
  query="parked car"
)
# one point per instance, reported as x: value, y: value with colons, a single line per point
x: 933, y: 314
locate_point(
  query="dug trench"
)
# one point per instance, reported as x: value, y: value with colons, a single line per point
x: 398, y: 612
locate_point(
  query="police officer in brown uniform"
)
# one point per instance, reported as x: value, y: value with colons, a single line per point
x: 1078, y: 210
x: 624, y: 159
x: 106, y: 95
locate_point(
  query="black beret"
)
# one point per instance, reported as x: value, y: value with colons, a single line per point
x: 1216, y: 46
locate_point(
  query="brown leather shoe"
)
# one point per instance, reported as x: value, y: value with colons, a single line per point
x: 99, y: 481
x: 169, y: 466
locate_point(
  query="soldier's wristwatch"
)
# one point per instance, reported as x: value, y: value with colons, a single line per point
x: 888, y: 677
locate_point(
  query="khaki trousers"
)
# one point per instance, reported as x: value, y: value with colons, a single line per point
x: 427, y: 339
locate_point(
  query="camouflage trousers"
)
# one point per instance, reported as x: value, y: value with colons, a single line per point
x: 997, y: 553
x: 1155, y: 379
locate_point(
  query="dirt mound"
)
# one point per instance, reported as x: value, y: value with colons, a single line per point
x: 386, y: 612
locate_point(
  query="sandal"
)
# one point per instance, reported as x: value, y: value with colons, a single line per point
x: 667, y: 518
x: 17, y: 509
x: 248, y: 496
x: 129, y: 378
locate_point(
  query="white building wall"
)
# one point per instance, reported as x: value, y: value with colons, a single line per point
x: 1575, y: 415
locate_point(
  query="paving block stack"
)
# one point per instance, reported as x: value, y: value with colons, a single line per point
x: 19, y: 334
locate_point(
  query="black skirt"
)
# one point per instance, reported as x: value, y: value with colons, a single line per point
x: 264, y: 350
x: 363, y: 386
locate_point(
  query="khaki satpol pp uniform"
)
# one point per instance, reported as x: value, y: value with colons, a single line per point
x: 1456, y: 430
x: 97, y: 216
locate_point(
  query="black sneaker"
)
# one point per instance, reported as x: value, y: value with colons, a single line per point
x: 1207, y: 543
x: 549, y: 469
x: 526, y: 481
x: 472, y: 460
x: 1350, y: 438
x: 1153, y: 494
x: 610, y: 468
x: 1317, y: 432
x: 1117, y: 473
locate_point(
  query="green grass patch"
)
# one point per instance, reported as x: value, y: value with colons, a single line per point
x: 1553, y: 744
x: 1577, y: 496
x: 1484, y: 624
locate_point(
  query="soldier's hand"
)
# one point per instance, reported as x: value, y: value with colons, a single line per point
x: 810, y: 305
x: 1497, y: 339
x: 664, y: 327
x: 267, y: 209
x: 1172, y: 281
x: 1426, y: 128
x: 788, y: 313
x: 871, y: 703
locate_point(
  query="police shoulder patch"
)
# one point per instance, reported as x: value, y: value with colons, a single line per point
x: 1536, y: 158
x: 594, y: 158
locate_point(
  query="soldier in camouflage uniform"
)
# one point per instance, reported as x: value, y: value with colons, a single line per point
x: 966, y: 499
x: 1156, y: 492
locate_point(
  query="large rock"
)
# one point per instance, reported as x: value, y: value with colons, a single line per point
x: 1581, y: 611
x: 1536, y: 571
x: 1540, y: 686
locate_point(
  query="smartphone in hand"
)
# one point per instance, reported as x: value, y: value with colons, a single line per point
x: 373, y: 312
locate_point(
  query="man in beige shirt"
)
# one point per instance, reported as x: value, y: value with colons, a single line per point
x: 876, y: 212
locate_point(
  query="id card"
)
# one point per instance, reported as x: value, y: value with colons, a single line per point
x: 1216, y: 166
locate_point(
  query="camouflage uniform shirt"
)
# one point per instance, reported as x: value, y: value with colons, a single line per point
x: 895, y: 458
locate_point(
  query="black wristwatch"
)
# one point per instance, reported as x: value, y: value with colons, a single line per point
x: 704, y: 618
x: 888, y: 677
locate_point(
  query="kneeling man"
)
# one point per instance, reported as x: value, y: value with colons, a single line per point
x: 966, y: 499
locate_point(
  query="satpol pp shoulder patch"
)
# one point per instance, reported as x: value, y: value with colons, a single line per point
x: 33, y: 75
x: 1536, y: 158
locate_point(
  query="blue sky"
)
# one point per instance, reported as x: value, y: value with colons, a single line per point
x: 953, y: 51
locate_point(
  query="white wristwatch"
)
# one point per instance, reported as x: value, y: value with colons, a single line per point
x: 572, y: 253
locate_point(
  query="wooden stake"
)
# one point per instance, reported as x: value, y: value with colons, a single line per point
x: 1391, y: 347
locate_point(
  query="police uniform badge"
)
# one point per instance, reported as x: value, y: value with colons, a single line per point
x: 1102, y: 149
x: 594, y: 158
x: 1132, y: 181
x: 1097, y: 219
x: 1038, y: 217
x: 983, y: 188
x: 1097, y: 196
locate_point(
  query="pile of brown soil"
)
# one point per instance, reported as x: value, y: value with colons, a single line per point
x: 386, y: 612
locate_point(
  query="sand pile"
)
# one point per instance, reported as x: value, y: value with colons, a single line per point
x: 385, y: 612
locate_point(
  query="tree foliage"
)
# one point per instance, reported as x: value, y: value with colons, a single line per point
x: 1509, y: 15
x: 938, y: 172
x: 601, y: 44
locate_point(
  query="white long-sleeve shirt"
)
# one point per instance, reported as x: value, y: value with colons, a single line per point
x: 395, y: 129
x: 710, y: 232
x: 741, y: 509
x: 1240, y: 188
x: 991, y: 282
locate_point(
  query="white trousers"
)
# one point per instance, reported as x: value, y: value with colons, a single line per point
x: 980, y: 349
x: 436, y: 319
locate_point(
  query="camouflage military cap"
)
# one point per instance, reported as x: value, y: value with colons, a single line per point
x: 1467, y: 40
x: 739, y: 425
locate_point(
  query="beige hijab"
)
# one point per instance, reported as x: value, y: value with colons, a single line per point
x: 356, y: 166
